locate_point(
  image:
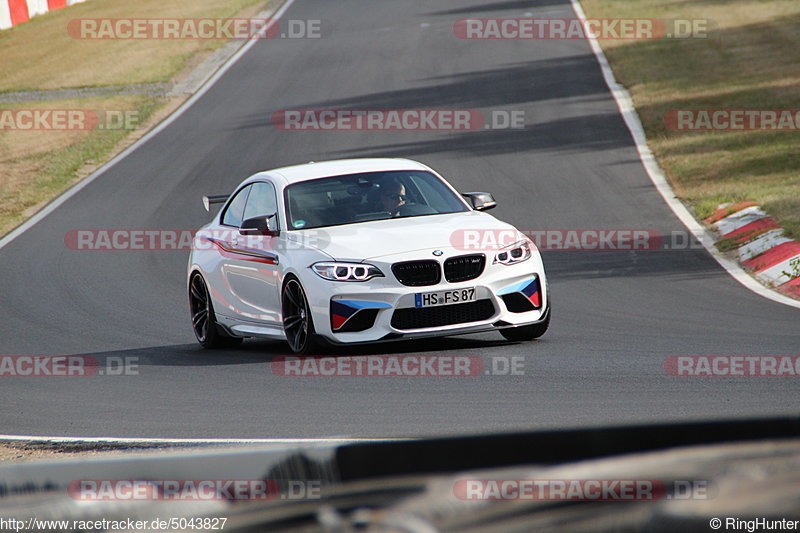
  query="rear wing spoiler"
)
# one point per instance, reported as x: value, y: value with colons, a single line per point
x: 208, y: 201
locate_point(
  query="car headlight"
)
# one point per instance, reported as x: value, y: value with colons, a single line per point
x: 516, y: 253
x: 346, y: 271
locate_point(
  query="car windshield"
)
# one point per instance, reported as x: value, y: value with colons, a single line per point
x: 368, y: 196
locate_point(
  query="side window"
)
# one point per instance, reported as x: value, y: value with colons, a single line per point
x: 233, y: 214
x: 262, y: 201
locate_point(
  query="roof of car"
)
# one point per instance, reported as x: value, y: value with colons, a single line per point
x: 322, y: 169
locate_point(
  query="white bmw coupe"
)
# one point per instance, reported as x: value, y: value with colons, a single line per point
x: 360, y: 250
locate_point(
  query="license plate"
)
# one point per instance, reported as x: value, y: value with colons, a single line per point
x: 455, y: 296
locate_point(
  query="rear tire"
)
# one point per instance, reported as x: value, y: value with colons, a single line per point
x: 527, y: 333
x: 204, y: 321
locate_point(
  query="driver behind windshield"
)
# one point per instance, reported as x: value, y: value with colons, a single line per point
x: 393, y: 196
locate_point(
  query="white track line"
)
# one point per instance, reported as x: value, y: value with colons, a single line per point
x: 628, y: 111
x: 72, y: 191
x: 136, y: 440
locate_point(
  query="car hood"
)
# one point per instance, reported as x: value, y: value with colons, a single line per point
x: 395, y: 237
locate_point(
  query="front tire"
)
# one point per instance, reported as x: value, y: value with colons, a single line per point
x: 527, y: 333
x: 204, y: 320
x: 297, y: 322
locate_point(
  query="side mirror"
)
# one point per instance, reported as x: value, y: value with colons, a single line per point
x: 262, y: 225
x: 481, y: 201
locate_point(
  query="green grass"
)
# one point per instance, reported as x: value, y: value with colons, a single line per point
x: 44, y: 175
x: 40, y: 55
x: 750, y: 60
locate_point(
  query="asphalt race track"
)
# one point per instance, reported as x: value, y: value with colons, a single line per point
x: 617, y: 314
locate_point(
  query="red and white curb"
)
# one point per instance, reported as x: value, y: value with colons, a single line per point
x: 13, y: 12
x: 760, y: 245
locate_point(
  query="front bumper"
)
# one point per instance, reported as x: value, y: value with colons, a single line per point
x: 357, y: 312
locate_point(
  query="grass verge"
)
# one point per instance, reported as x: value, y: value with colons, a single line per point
x: 749, y: 60
x: 40, y: 55
x: 26, y: 451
